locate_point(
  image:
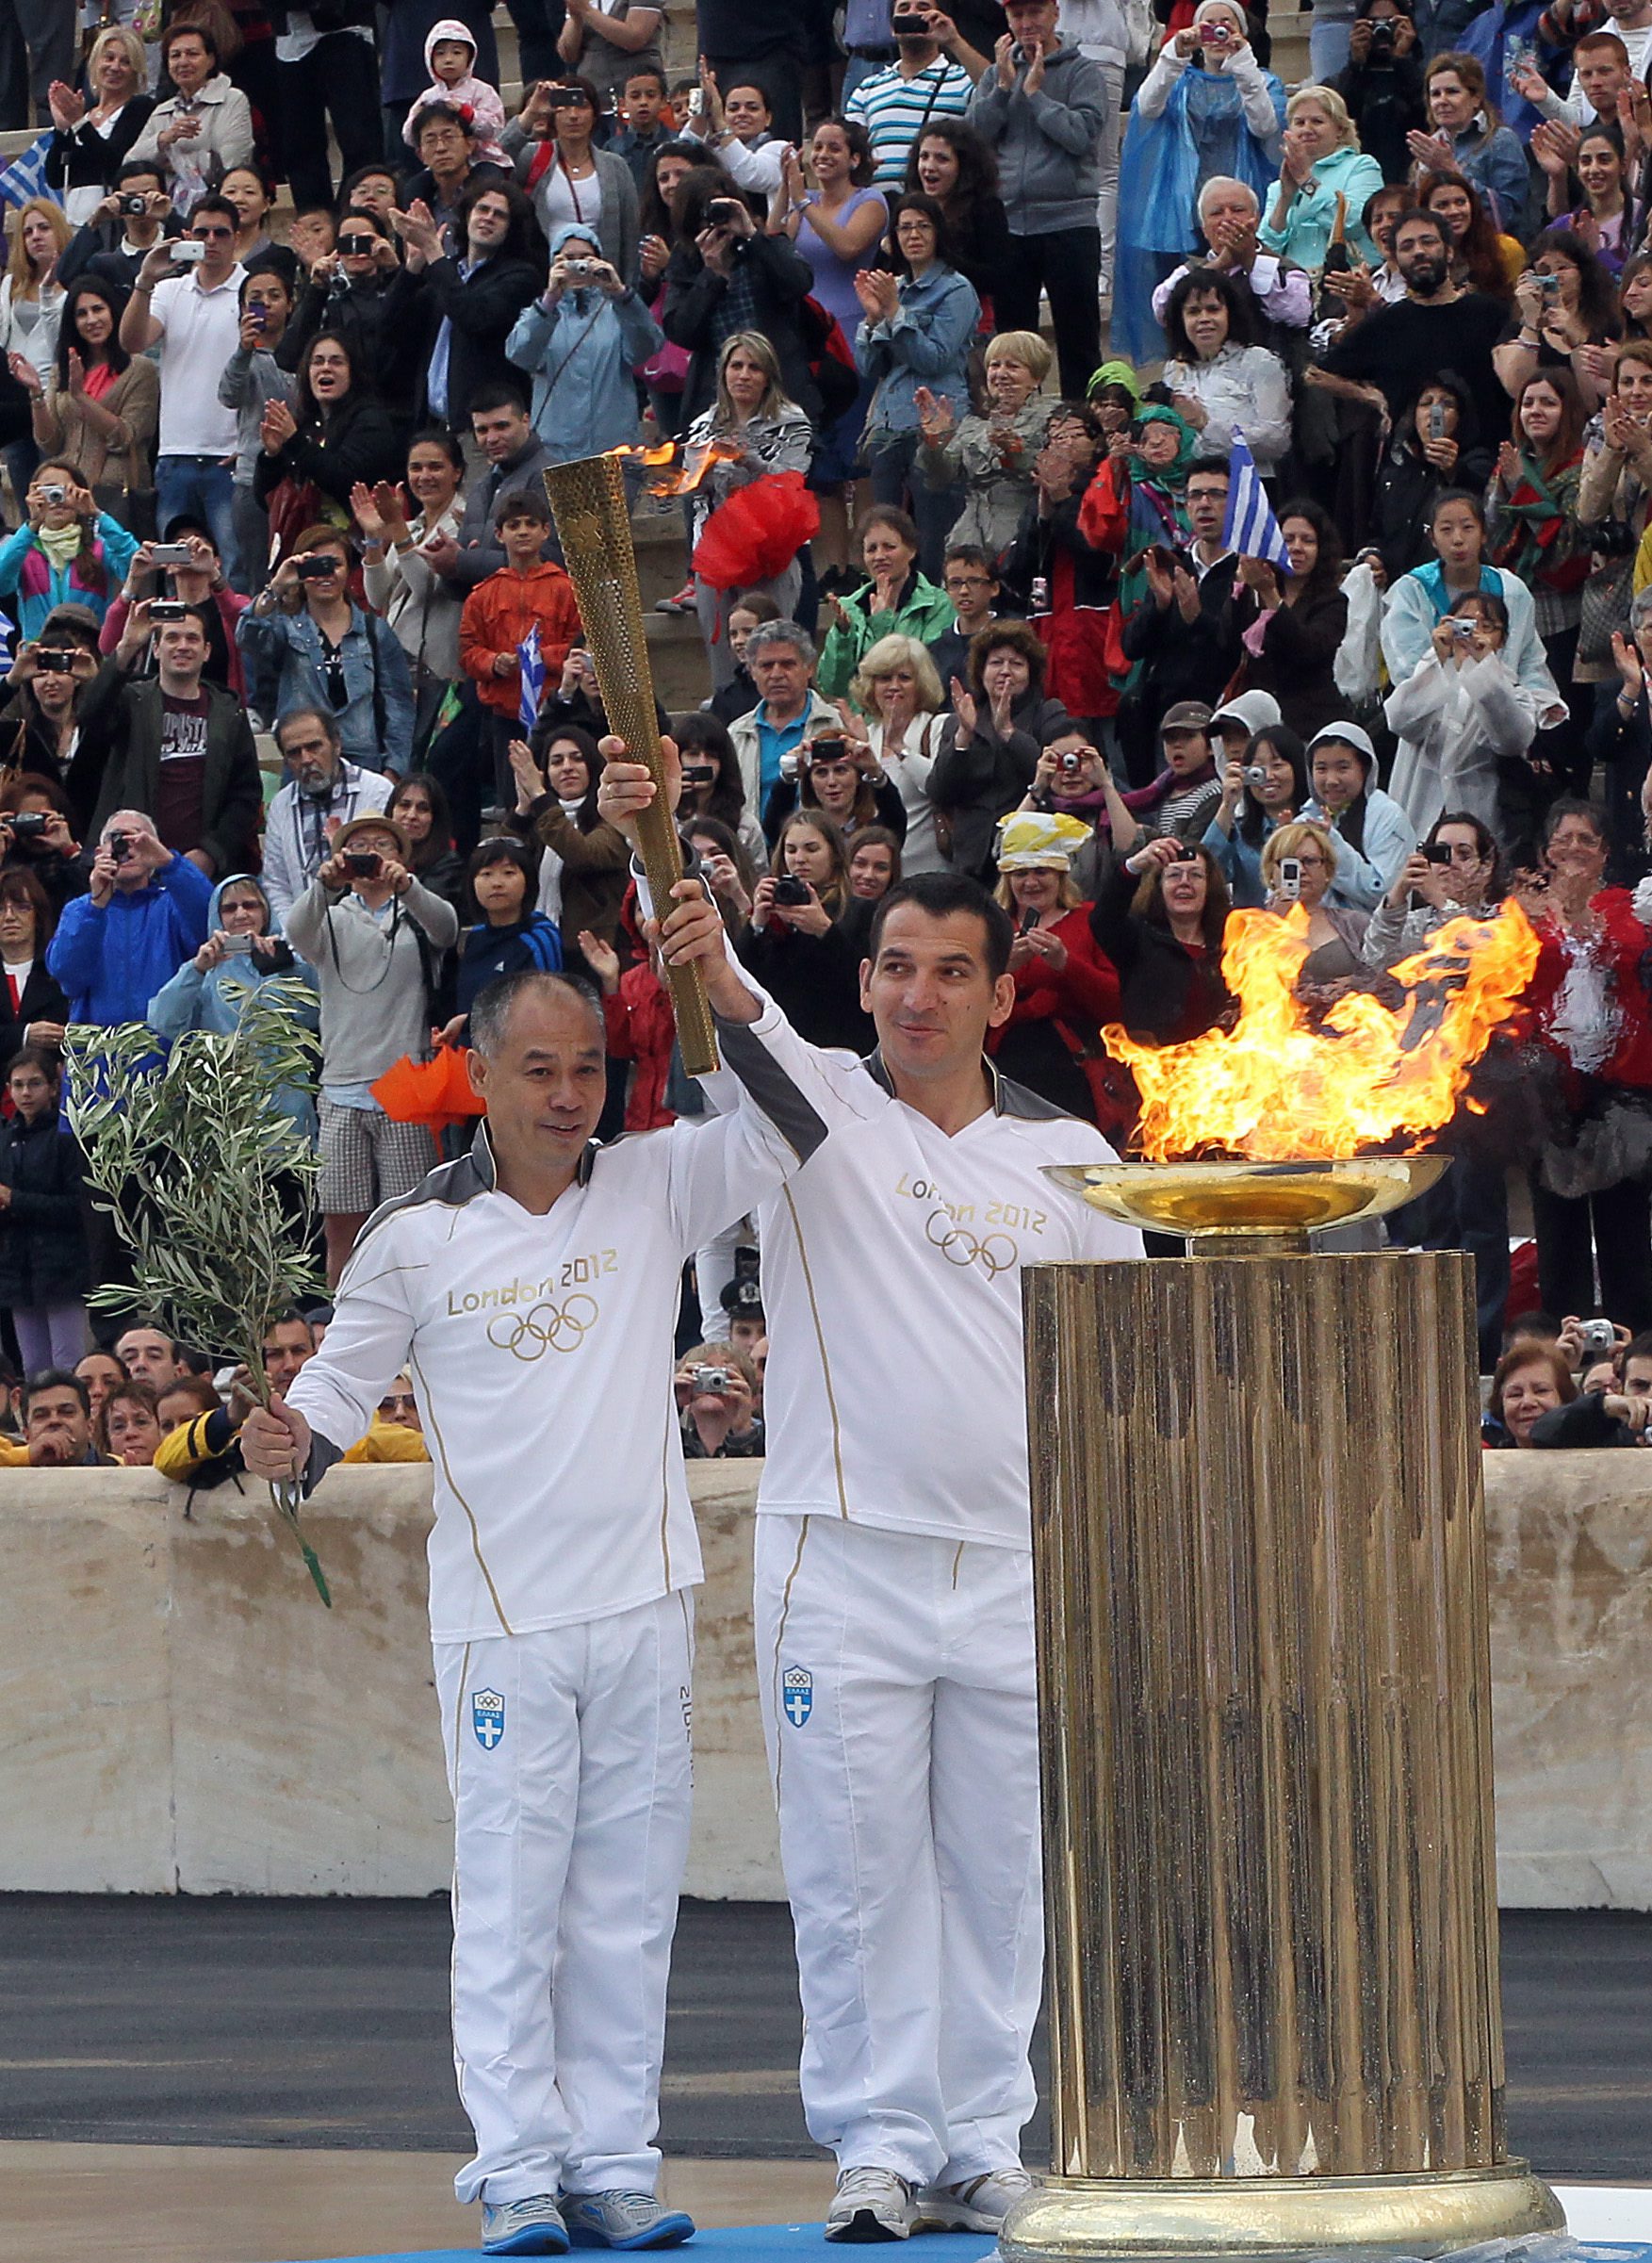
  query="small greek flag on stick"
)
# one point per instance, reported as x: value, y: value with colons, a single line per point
x: 1251, y: 528
x: 533, y: 662
x: 25, y: 176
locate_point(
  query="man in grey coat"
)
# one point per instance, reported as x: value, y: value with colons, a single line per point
x: 1043, y: 108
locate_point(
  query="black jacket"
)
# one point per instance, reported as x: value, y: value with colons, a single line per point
x: 358, y: 441
x: 979, y: 782
x: 84, y: 159
x: 1299, y: 652
x: 42, y: 1228
x: 383, y: 322
x: 482, y: 310
x: 1385, y: 101
x: 117, y: 764
x: 1582, y: 1423
x: 1169, y: 995
x: 1185, y: 660
x: 42, y: 1000
x: 815, y: 980
x: 696, y: 317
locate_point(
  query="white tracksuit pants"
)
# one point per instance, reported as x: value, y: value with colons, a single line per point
x: 899, y: 1706
x: 568, y: 1763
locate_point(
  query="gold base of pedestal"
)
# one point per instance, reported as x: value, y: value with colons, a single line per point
x: 1106, y: 2219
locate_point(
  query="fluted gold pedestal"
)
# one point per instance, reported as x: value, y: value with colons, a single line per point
x: 1264, y: 1723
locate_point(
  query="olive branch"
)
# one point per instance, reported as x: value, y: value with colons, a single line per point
x: 209, y: 1185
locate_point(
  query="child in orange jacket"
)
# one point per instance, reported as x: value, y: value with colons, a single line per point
x: 524, y: 594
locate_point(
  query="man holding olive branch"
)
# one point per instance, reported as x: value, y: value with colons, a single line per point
x: 530, y: 1291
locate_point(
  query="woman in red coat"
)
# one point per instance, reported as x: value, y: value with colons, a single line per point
x: 1065, y: 986
x: 1587, y: 999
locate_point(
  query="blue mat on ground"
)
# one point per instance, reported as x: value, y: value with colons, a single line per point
x: 749, y: 2243
x: 805, y: 2244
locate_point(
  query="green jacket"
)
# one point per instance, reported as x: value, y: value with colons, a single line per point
x: 924, y: 612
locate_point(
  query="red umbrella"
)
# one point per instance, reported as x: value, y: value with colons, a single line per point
x: 757, y: 532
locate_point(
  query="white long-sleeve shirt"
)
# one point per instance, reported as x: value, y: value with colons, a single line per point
x: 1241, y: 388
x: 1255, y: 92
x: 894, y: 1394
x: 541, y: 1352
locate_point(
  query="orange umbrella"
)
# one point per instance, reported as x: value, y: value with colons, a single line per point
x: 436, y: 1094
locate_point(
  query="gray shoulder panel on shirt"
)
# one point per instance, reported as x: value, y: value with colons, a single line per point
x: 782, y: 1102
x: 1015, y: 1100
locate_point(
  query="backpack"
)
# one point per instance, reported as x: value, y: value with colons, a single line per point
x: 831, y: 360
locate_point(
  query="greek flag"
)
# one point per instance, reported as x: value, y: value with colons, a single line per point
x: 25, y: 176
x: 1251, y: 528
x: 532, y: 680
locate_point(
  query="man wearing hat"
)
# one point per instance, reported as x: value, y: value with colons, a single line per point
x: 372, y: 934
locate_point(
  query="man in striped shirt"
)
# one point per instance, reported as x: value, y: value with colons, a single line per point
x: 932, y: 76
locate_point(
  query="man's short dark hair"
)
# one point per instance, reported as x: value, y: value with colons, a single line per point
x: 1215, y: 470
x: 56, y: 1379
x: 291, y: 1318
x: 221, y: 204
x: 969, y: 553
x: 446, y: 113
x: 141, y: 169
x: 329, y: 723
x: 497, y: 397
x: 1416, y: 212
x: 494, y: 1003
x: 938, y: 896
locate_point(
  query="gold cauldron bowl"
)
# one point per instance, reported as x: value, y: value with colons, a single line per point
x: 1245, y: 1210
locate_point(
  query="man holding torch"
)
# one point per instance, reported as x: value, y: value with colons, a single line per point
x: 893, y: 1583
x: 530, y: 1291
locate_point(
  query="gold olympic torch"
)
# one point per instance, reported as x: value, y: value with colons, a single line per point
x: 594, y: 523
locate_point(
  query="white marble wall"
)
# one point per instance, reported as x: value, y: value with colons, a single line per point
x: 178, y: 1712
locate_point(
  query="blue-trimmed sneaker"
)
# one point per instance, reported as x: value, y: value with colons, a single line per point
x: 624, y: 2219
x: 523, y: 2227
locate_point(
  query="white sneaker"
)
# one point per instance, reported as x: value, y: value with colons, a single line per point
x: 980, y: 2204
x: 871, y: 2203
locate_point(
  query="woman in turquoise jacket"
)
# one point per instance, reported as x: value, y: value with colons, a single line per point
x: 67, y: 551
x: 244, y: 950
x: 1321, y: 162
x: 583, y: 340
x: 919, y: 322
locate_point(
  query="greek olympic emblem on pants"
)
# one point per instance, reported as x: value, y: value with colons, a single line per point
x: 996, y: 1254
x: 528, y: 1336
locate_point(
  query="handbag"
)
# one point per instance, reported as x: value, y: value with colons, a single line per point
x: 1606, y: 603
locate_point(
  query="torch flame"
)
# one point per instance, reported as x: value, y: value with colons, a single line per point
x: 697, y: 460
x: 1275, y: 1088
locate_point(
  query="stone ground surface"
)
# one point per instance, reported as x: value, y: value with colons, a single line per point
x: 323, y: 2023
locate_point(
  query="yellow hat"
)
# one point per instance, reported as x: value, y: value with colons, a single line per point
x: 1032, y: 838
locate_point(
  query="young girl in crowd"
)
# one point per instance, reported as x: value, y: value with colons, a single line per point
x: 1260, y: 792
x: 1374, y: 836
x: 511, y: 935
x: 66, y: 549
x: 44, y: 1268
x: 1533, y: 531
x: 1459, y: 716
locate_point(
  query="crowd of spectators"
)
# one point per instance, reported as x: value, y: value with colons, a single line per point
x: 274, y: 409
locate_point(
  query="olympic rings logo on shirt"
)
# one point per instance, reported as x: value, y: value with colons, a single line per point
x: 529, y: 1335
x: 995, y: 1254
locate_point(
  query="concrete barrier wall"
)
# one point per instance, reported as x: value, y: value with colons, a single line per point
x: 179, y: 1714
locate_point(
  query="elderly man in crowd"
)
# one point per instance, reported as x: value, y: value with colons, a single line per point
x: 144, y: 912
x: 322, y: 792
x: 1230, y: 214
x: 780, y: 661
